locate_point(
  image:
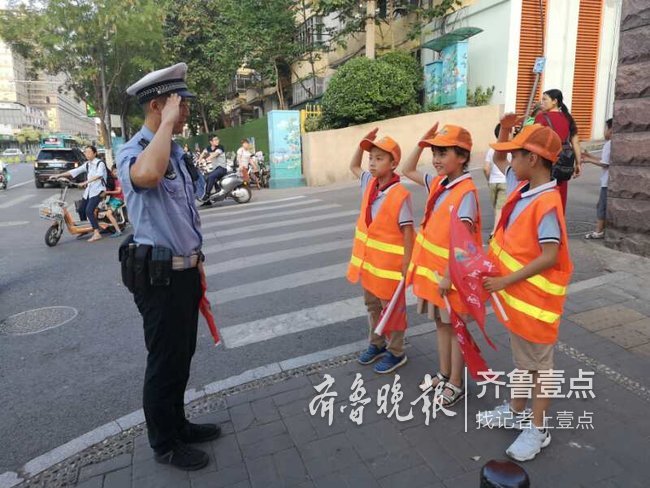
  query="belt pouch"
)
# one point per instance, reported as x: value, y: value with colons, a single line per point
x: 141, y: 278
x: 160, y: 266
x: 126, y: 255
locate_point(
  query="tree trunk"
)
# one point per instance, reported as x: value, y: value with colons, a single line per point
x: 370, y: 28
x: 278, y: 87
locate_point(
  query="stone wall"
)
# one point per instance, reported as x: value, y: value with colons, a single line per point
x: 628, y: 213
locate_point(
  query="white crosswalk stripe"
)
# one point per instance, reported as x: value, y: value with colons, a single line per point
x: 298, y: 321
x: 16, y: 201
x: 284, y: 282
x: 286, y: 213
x: 274, y: 239
x: 274, y: 257
x: 236, y: 211
x: 274, y: 225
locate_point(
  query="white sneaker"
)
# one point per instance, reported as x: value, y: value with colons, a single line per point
x: 504, y: 418
x: 529, y: 443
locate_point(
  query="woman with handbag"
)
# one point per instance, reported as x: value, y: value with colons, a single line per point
x: 95, y: 184
x: 556, y: 115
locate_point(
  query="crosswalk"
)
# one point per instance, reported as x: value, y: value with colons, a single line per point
x: 284, y: 254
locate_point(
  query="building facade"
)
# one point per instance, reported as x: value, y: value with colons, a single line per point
x: 579, y: 39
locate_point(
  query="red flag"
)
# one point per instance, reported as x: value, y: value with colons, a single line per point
x: 393, y: 317
x: 468, y: 264
x: 471, y: 352
x: 206, y: 310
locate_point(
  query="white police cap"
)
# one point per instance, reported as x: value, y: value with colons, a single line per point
x: 161, y: 82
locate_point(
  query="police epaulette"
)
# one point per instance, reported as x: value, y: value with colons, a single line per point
x: 143, y: 143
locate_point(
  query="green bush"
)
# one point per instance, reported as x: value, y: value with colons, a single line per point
x: 407, y: 63
x: 479, y: 97
x: 365, y: 90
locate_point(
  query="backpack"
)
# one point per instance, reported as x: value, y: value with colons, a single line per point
x: 564, y: 168
x: 109, y: 183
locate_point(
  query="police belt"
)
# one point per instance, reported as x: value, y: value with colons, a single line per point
x: 179, y: 263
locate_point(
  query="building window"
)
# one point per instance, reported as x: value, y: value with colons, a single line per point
x: 310, y: 34
x: 308, y: 90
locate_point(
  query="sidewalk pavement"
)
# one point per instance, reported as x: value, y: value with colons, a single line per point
x: 270, y: 439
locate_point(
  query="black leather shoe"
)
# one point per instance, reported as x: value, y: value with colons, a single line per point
x: 184, y: 457
x: 196, y: 433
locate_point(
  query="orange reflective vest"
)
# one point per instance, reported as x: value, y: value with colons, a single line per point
x: 533, y: 306
x: 430, y: 256
x: 378, y: 250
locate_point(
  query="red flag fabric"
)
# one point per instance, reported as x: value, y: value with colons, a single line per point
x: 206, y: 310
x: 471, y: 352
x: 468, y: 264
x: 393, y: 317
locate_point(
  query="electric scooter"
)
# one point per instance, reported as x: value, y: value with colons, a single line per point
x: 56, y: 210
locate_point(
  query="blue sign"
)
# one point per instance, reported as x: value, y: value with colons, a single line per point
x: 285, y: 151
x: 454, y: 75
x: 433, y: 83
x: 540, y: 63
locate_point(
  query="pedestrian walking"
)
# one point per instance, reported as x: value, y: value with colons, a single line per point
x: 556, y: 115
x: 496, y: 182
x: 603, y: 164
x: 162, y: 262
x: 531, y: 249
x: 450, y: 190
x: 382, y: 244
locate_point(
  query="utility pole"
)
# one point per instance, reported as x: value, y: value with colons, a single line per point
x: 371, y: 8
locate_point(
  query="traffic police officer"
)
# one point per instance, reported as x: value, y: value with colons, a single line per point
x: 162, y: 262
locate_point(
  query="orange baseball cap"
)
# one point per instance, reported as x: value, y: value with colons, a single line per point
x: 535, y: 138
x: 386, y: 143
x: 449, y: 136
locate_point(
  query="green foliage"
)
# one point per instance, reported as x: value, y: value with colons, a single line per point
x: 479, y: 97
x: 434, y: 107
x: 28, y: 134
x: 365, y: 90
x: 80, y: 38
x: 406, y: 63
x: 314, y: 123
x: 231, y: 136
x: 352, y: 15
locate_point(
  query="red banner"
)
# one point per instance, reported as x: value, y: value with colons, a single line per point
x: 393, y: 317
x: 206, y: 309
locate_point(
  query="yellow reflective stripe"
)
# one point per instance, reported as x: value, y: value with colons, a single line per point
x: 538, y: 280
x: 432, y: 248
x: 375, y: 244
x: 428, y: 274
x: 528, y: 309
x: 380, y: 273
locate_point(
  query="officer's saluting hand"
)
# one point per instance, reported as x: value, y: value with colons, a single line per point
x: 162, y: 262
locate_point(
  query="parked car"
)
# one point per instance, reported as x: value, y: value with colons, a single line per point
x: 12, y: 155
x: 56, y: 161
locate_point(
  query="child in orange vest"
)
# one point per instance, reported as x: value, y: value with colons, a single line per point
x: 451, y: 188
x: 530, y: 246
x: 382, y: 243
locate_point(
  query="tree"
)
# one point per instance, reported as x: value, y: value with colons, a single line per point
x: 365, y: 90
x: 351, y: 15
x: 95, y: 43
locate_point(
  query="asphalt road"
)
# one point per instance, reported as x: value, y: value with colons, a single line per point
x: 60, y: 383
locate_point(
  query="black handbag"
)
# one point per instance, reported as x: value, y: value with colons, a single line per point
x: 564, y: 168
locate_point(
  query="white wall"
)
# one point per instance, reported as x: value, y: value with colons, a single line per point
x: 487, y: 60
x: 607, y: 62
x: 561, y: 39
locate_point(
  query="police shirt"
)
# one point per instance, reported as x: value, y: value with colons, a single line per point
x: 165, y: 215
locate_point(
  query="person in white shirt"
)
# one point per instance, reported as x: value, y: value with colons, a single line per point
x: 603, y: 163
x: 95, y: 185
x: 496, y: 182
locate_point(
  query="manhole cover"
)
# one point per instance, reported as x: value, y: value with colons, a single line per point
x: 579, y: 228
x: 37, y: 320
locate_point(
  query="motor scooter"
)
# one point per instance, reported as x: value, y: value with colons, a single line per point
x: 56, y: 210
x: 231, y: 185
